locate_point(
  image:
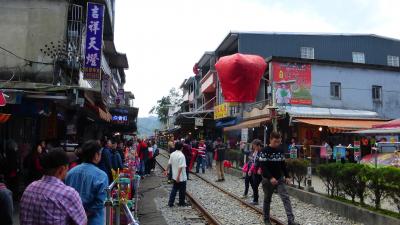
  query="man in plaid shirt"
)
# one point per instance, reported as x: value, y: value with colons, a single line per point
x: 49, y: 201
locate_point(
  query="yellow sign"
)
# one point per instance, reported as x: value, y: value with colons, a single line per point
x: 223, y: 110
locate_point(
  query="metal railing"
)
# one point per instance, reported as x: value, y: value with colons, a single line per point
x: 114, y: 206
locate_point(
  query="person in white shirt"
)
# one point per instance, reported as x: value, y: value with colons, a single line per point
x: 177, y: 163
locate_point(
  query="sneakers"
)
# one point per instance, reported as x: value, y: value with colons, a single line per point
x: 183, y: 205
x: 267, y: 222
x: 244, y: 196
x: 254, y: 203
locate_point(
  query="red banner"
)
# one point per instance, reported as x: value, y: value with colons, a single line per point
x: 292, y: 83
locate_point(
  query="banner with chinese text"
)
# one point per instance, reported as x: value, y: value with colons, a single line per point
x: 94, y: 39
x: 292, y: 83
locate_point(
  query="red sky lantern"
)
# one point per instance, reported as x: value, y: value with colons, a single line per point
x: 240, y: 76
x: 2, y: 99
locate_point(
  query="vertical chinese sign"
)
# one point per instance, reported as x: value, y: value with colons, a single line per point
x: 94, y: 39
x: 292, y: 83
x: 120, y: 96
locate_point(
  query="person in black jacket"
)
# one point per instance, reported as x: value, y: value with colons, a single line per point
x: 275, y: 176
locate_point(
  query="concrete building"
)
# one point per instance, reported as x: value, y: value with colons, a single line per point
x: 42, y: 57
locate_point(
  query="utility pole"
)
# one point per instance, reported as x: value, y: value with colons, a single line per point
x: 273, y: 108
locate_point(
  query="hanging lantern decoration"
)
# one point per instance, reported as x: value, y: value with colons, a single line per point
x: 240, y: 76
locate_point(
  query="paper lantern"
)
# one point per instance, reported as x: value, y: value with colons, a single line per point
x: 240, y: 76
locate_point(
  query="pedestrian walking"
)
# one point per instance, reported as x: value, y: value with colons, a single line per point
x: 6, y: 196
x: 220, y: 150
x: 274, y: 177
x: 33, y: 165
x: 48, y: 200
x: 116, y: 158
x: 210, y: 153
x: 105, y: 163
x: 247, y: 170
x: 255, y: 169
x: 177, y: 163
x: 201, y: 157
x: 187, y: 151
x: 90, y: 182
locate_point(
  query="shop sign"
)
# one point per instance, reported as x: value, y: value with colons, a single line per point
x: 120, y: 96
x: 119, y: 118
x: 105, y: 85
x: 94, y: 39
x: 198, y: 122
x: 223, y: 110
x: 245, y: 135
x: 292, y: 83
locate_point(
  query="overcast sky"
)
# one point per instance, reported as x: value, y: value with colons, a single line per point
x: 165, y: 38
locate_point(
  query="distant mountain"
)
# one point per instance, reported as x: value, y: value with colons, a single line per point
x: 147, y: 125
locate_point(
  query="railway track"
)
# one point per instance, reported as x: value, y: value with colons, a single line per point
x: 234, y: 200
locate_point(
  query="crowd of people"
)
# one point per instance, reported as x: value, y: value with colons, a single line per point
x: 265, y: 166
x: 67, y: 187
x: 64, y: 187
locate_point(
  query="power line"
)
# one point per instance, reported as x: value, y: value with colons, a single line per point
x: 27, y: 60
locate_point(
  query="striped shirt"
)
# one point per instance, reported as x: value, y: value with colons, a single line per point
x: 201, y: 151
x: 49, y: 201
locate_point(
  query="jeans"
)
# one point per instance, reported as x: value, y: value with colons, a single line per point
x: 181, y: 187
x: 256, y: 183
x: 220, y: 170
x: 247, y: 182
x: 268, y: 189
x: 200, y: 161
x: 210, y: 157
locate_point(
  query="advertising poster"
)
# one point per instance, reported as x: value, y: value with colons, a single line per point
x: 292, y: 83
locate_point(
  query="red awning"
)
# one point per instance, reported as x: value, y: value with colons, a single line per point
x: 240, y: 76
x: 390, y: 124
x: 4, y: 117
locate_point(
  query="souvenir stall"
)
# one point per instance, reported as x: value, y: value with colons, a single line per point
x: 122, y: 194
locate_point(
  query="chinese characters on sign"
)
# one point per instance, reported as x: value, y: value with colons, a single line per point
x: 120, y: 96
x: 292, y: 83
x: 121, y: 119
x: 94, y: 38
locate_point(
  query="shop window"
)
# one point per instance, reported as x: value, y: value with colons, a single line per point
x: 358, y: 57
x: 393, y: 60
x: 335, y: 90
x: 307, y: 52
x: 377, y: 93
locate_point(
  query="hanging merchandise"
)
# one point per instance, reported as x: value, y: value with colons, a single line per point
x: 323, y: 152
x: 240, y: 76
x: 293, y: 152
x: 339, y: 152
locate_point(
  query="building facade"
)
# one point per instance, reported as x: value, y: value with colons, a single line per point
x: 43, y: 76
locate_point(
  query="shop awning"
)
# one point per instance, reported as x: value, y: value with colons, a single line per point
x: 345, y: 124
x: 4, y: 117
x: 104, y: 115
x: 378, y: 131
x: 248, y: 124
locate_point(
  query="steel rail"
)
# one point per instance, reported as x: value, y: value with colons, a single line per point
x: 256, y: 209
x: 206, y: 214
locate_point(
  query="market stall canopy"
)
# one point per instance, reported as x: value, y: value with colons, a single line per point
x: 248, y: 124
x: 240, y: 76
x: 390, y: 124
x: 345, y: 124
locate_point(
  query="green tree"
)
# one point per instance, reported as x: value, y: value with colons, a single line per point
x: 174, y: 97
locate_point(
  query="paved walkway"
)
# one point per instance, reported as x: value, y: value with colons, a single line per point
x: 150, y: 189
